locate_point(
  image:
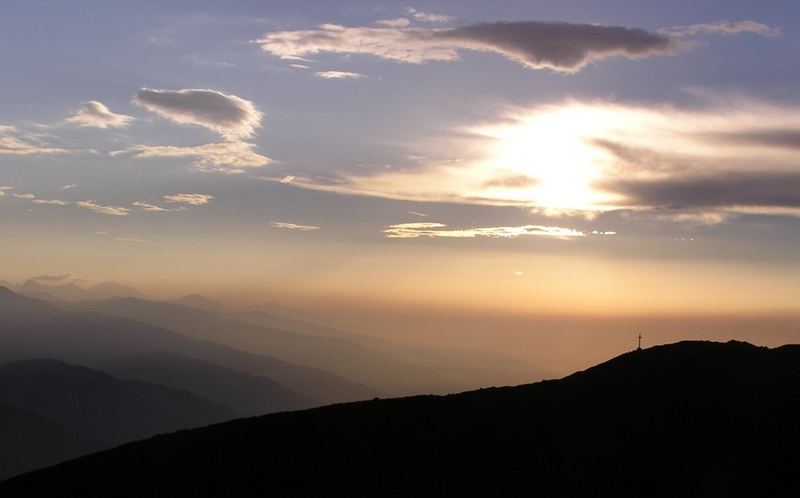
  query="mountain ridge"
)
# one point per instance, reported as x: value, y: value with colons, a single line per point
x: 686, y: 419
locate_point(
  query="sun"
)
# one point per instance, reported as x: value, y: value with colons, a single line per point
x: 555, y: 149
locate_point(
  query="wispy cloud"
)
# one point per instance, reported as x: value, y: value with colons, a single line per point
x: 191, y: 199
x: 69, y: 187
x: 144, y: 206
x: 95, y: 114
x: 51, y: 202
x: 417, y: 213
x: 561, y: 47
x: 423, y: 16
x: 16, y: 142
x: 724, y: 28
x: 338, y: 75
x: 417, y: 230
x: 232, y: 117
x: 101, y: 209
x: 222, y: 157
x: 292, y: 226
x: 399, y: 22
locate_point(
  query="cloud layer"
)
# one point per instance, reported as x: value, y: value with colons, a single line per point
x: 232, y: 117
x: 292, y: 226
x: 16, y: 142
x: 95, y: 114
x: 561, y: 47
x: 338, y: 75
x: 417, y: 230
x: 723, y: 28
x: 222, y: 157
x: 190, y: 199
x: 705, y: 163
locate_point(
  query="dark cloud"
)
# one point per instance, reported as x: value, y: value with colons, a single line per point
x: 723, y: 189
x: 784, y: 138
x: 538, y: 45
x: 228, y: 115
x: 558, y: 46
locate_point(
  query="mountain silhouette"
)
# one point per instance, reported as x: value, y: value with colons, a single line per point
x: 30, y: 328
x: 103, y: 407
x: 200, y: 302
x: 340, y: 356
x: 247, y: 394
x: 691, y: 419
x: 394, y: 369
x: 457, y: 368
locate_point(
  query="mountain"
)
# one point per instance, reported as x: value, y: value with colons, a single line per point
x: 30, y: 441
x: 460, y: 368
x: 103, y: 407
x: 201, y: 302
x: 247, y: 394
x: 72, y: 292
x: 340, y: 356
x: 106, y: 290
x: 34, y: 329
x: 691, y: 419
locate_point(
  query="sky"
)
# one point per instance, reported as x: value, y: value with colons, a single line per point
x: 578, y: 157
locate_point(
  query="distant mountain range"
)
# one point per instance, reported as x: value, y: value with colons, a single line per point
x: 34, y: 329
x: 691, y: 419
x: 94, y: 374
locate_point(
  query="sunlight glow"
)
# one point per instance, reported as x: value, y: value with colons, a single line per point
x: 553, y: 148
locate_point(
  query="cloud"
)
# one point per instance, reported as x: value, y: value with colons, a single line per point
x: 4, y: 189
x: 52, y: 202
x: 96, y: 114
x: 222, y: 157
x: 53, y: 278
x: 400, y: 22
x: 560, y: 47
x: 723, y: 28
x: 100, y: 209
x: 152, y: 208
x: 299, y: 66
x: 292, y: 226
x: 33, y: 198
x: 15, y: 142
x: 128, y: 239
x: 232, y: 117
x: 68, y: 187
x: 709, y: 163
x: 338, y: 75
x: 417, y: 230
x: 423, y: 16
x: 191, y: 199
x: 417, y: 213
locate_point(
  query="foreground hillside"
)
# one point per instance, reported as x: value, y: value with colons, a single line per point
x: 688, y: 419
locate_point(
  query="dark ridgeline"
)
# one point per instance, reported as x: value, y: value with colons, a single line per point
x: 692, y: 419
x: 51, y: 411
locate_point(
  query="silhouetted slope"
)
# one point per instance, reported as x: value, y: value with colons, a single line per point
x: 247, y: 394
x: 34, y: 329
x: 107, y: 409
x: 692, y: 419
x: 29, y: 441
